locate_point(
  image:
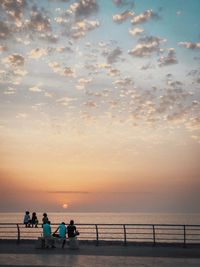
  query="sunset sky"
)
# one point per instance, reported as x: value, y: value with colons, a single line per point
x: 99, y: 105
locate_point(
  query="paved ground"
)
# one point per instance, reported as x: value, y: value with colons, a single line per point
x: 27, y: 255
x: 44, y: 260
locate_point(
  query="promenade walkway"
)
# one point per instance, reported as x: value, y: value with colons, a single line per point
x: 27, y: 255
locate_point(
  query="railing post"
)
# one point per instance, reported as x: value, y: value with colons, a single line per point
x: 184, y: 235
x: 97, y: 235
x: 124, y: 226
x: 154, y: 235
x: 18, y: 234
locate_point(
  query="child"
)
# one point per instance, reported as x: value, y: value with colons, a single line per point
x: 27, y: 219
x: 34, y: 220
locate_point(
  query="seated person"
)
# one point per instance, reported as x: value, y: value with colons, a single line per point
x: 72, y: 233
x: 34, y: 220
x: 27, y: 219
x: 62, y: 232
x: 49, y: 240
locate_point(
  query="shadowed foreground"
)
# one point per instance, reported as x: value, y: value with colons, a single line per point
x: 26, y: 254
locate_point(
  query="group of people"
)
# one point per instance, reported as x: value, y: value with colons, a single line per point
x: 50, y: 237
x: 63, y: 230
x: 30, y: 221
x: 33, y: 221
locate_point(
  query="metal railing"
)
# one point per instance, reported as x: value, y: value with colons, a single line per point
x: 117, y: 233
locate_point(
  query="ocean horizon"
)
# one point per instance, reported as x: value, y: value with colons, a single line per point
x: 107, y: 217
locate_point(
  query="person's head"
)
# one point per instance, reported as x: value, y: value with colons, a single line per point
x: 71, y: 222
x: 27, y: 212
x: 63, y: 223
x: 44, y: 214
x: 49, y: 222
x: 34, y: 214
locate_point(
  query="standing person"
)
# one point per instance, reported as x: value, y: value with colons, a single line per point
x: 44, y: 219
x: 34, y: 219
x: 27, y: 219
x: 49, y: 240
x: 62, y: 233
x: 72, y: 233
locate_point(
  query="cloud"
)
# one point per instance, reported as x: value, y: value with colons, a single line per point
x: 103, y: 66
x: 119, y: 18
x: 90, y: 104
x: 49, y: 37
x: 193, y: 123
x: 195, y: 74
x: 5, y: 31
x: 124, y: 82
x: 113, y: 72
x: 174, y: 84
x: 83, y: 8
x: 169, y: 59
x: 146, y: 46
x: 145, y: 16
x: 68, y: 192
x: 196, y: 138
x: 55, y: 66
x: 38, y: 21
x: 13, y: 8
x: 136, y: 31
x: 50, y: 95
x: 170, y: 101
x: 63, y: 49
x: 26, y: 18
x: 20, y: 72
x: 121, y: 3
x: 13, y: 75
x: 38, y: 53
x: 113, y: 103
x: 35, y: 89
x: 60, y: 20
x: 3, y: 48
x: 102, y: 44
x: 190, y: 45
x: 64, y: 101
x: 178, y: 116
x: 100, y: 192
x: 21, y: 115
x: 146, y: 66
x: 10, y: 91
x: 79, y: 29
x: 14, y: 60
x: 25, y: 40
x: 82, y: 82
x: 113, y: 56
x: 68, y: 71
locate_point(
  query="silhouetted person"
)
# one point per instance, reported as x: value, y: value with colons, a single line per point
x: 27, y: 219
x: 72, y: 233
x: 44, y: 219
x: 49, y: 240
x: 62, y: 233
x: 34, y: 219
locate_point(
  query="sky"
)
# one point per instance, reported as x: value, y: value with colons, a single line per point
x: 99, y: 105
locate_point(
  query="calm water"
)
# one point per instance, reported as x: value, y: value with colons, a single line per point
x: 124, y: 218
x: 105, y: 232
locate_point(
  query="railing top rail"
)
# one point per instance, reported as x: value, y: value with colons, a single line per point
x: 117, y: 224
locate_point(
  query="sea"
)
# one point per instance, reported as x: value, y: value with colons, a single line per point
x: 87, y: 223
x: 107, y: 218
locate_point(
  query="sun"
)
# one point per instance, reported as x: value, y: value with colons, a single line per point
x: 65, y: 206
